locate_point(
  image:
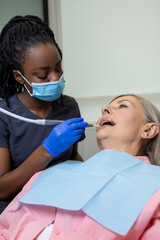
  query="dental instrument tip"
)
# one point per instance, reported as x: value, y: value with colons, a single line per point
x: 92, y: 125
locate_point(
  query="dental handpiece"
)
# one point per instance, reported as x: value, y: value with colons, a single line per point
x: 43, y: 122
x: 56, y: 122
x: 92, y: 125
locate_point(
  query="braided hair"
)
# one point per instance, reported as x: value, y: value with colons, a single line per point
x: 17, y: 36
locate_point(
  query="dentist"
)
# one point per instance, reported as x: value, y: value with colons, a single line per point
x: 31, y: 86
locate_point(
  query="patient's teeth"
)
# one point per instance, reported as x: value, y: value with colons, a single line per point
x: 107, y: 123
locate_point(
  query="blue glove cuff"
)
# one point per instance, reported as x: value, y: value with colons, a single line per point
x: 49, y: 150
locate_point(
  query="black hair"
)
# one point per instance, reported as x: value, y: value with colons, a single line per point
x: 17, y: 36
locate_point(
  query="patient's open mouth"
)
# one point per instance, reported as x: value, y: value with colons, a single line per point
x: 109, y: 123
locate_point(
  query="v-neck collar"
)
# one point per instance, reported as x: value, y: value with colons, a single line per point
x: 30, y: 113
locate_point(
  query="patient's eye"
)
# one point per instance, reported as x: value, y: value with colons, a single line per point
x: 123, y: 106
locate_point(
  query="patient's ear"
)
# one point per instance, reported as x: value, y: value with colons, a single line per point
x: 150, y: 131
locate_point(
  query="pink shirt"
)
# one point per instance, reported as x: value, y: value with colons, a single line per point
x: 29, y: 220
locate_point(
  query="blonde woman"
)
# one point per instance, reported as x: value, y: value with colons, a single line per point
x: 114, y: 195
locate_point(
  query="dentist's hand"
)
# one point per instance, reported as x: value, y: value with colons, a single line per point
x: 64, y: 135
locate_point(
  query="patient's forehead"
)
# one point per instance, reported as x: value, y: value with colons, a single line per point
x: 132, y: 99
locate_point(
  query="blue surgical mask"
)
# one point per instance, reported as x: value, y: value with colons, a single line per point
x: 48, y: 91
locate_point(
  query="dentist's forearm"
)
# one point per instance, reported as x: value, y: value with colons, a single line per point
x: 13, y: 181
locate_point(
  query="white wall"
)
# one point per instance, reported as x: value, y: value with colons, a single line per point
x: 110, y: 47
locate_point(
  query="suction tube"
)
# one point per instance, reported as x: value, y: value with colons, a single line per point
x: 38, y: 121
x: 35, y: 121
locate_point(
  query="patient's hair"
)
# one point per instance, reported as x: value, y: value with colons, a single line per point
x: 151, y: 114
x: 17, y: 37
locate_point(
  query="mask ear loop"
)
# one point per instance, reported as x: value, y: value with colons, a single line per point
x: 62, y: 103
x: 25, y: 84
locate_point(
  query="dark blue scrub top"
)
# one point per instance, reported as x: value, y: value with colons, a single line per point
x: 22, y: 138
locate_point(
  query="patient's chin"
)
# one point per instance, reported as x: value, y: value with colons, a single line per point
x: 101, y: 135
x: 100, y: 141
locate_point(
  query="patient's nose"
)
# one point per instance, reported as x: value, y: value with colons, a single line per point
x: 106, y: 110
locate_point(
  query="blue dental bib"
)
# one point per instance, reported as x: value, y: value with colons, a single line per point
x: 112, y: 187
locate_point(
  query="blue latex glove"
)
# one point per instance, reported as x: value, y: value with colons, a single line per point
x: 64, y: 135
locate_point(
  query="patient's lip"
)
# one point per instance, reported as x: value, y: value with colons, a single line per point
x: 106, y: 120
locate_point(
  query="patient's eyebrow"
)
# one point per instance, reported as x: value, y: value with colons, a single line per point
x: 125, y: 100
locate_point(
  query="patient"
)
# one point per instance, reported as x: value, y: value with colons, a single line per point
x: 114, y: 195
